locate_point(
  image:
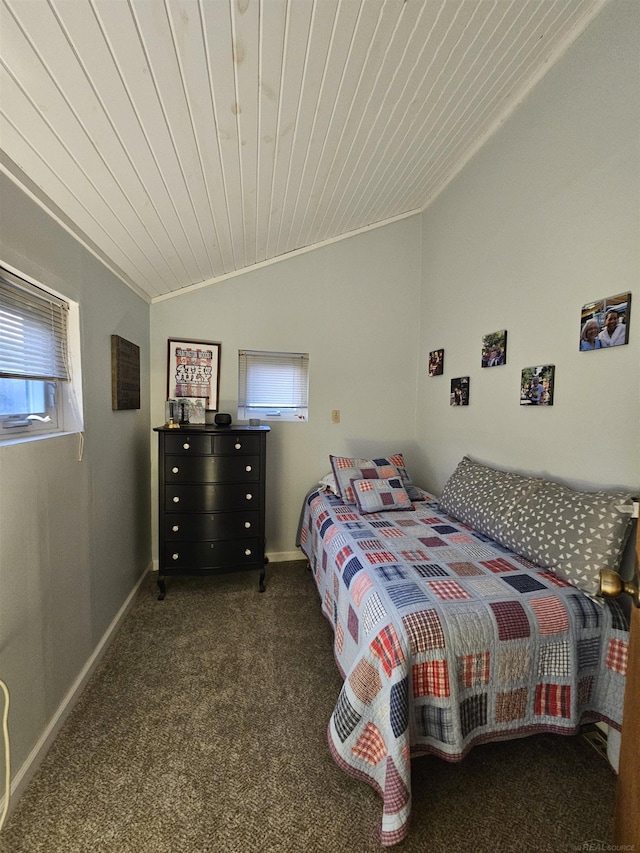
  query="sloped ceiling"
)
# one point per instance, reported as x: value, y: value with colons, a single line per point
x: 187, y: 140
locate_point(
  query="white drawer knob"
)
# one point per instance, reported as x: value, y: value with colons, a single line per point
x: 247, y: 524
x: 186, y: 445
x: 175, y: 470
x: 247, y: 551
x: 175, y: 556
x: 247, y: 468
x: 175, y: 528
x: 238, y: 445
x: 176, y: 500
x: 248, y: 497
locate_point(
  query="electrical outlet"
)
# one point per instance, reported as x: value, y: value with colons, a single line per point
x: 335, y: 416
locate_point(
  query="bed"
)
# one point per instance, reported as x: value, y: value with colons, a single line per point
x: 447, y: 637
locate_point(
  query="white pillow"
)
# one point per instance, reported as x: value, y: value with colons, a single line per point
x: 328, y: 483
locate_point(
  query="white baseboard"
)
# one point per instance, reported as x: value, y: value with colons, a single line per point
x: 285, y: 556
x: 26, y: 772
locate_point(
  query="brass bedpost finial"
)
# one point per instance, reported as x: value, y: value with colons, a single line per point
x: 612, y: 585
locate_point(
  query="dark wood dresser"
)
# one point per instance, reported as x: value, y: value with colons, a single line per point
x: 211, y: 499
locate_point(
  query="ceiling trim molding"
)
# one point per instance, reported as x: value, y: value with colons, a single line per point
x: 294, y: 254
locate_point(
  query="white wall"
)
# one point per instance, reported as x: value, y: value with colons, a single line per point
x: 74, y: 535
x: 353, y: 306
x: 544, y: 219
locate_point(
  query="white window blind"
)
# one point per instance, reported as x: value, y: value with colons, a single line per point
x: 273, y: 384
x: 33, y: 331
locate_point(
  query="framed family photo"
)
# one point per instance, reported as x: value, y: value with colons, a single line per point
x: 494, y: 349
x: 436, y: 362
x: 536, y: 386
x: 193, y: 372
x: 605, y: 323
x: 459, y: 395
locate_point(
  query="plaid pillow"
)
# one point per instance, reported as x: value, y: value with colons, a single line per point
x: 346, y: 469
x: 381, y: 495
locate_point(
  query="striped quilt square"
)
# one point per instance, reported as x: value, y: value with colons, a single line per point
x: 553, y: 700
x: 499, y: 565
x: 523, y: 583
x: 350, y: 570
x: 380, y: 557
x: 585, y: 689
x: 551, y: 614
x: 407, y: 595
x: 368, y: 544
x: 424, y: 630
x: 399, y: 706
x: 473, y: 713
x: 430, y: 570
x: 431, y: 678
x: 588, y: 652
x: 387, y: 648
x: 511, y: 619
x: 345, y: 716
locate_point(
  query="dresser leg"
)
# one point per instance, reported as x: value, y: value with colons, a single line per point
x: 162, y: 588
x: 261, y: 586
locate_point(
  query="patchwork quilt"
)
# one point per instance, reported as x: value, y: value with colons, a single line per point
x: 445, y: 639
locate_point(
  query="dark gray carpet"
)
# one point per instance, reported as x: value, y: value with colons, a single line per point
x: 204, y: 729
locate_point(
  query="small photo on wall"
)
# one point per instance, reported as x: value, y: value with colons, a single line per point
x: 536, y: 387
x: 605, y: 323
x: 494, y: 349
x: 436, y: 362
x: 459, y: 391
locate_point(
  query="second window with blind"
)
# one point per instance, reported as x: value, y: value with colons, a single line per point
x: 273, y: 385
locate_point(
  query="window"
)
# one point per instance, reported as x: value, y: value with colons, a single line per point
x: 273, y: 385
x: 38, y: 393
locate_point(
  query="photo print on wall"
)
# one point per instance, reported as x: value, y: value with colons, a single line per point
x: 459, y: 391
x: 605, y: 323
x: 536, y: 386
x: 436, y: 362
x: 494, y: 349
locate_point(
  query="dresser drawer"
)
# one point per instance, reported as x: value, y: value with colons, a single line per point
x: 217, y: 525
x: 211, y: 555
x: 211, y: 498
x: 187, y: 444
x: 211, y: 469
x: 236, y: 444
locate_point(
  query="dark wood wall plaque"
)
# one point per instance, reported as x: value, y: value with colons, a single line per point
x: 125, y: 374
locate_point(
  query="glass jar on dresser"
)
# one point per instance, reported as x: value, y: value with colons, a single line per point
x: 211, y: 496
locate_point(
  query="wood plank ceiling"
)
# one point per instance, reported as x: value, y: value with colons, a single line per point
x: 186, y: 140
